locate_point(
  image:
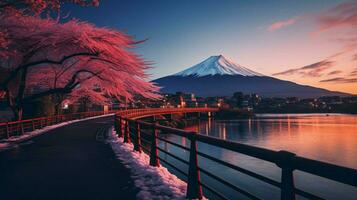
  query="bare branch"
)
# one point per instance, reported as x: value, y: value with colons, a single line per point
x: 45, y: 61
x: 67, y: 89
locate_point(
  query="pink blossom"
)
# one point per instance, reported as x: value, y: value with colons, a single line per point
x: 74, y: 59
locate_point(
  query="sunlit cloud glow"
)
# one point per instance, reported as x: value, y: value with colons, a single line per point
x: 354, y: 72
x: 354, y: 57
x: 335, y: 72
x: 313, y: 70
x: 342, y: 19
x: 337, y: 25
x: 343, y: 15
x: 341, y: 80
x: 282, y: 24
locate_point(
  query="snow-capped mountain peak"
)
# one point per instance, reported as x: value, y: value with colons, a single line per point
x: 217, y: 65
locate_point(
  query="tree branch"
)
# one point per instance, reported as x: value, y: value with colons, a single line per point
x: 48, y: 92
x: 45, y: 61
x: 66, y: 69
x: 67, y: 88
x: 75, y: 76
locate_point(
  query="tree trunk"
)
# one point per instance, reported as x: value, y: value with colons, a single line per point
x: 11, y: 105
x: 58, y: 99
x: 14, y: 113
x: 19, y: 114
x: 18, y: 117
x: 18, y: 102
x: 58, y: 109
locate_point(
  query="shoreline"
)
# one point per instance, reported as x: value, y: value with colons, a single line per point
x: 301, y: 114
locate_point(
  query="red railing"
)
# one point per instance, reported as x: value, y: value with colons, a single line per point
x: 146, y: 112
x: 146, y: 135
x: 16, y: 128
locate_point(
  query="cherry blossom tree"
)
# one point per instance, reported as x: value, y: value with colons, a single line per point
x: 44, y: 57
x: 38, y: 6
x: 34, y: 7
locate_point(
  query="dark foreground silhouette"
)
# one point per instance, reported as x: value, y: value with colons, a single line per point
x: 71, y: 162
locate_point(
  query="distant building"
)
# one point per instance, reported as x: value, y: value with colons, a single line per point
x: 180, y: 99
x: 292, y: 100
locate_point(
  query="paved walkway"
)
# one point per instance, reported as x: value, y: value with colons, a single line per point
x: 71, y: 162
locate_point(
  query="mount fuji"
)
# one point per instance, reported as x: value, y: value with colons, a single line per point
x: 217, y: 65
x: 219, y: 76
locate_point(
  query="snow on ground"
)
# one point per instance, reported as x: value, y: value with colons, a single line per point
x: 4, y: 145
x: 11, y: 142
x: 154, y: 183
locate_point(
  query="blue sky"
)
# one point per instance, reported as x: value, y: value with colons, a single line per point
x: 182, y: 33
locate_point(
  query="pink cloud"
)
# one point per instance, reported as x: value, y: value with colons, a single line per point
x: 341, y: 16
x: 313, y: 70
x: 354, y: 72
x: 335, y: 72
x: 282, y: 24
x: 339, y: 21
x: 354, y: 57
x: 340, y: 80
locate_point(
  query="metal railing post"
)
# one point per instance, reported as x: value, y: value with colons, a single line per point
x: 116, y: 124
x: 137, y: 143
x: 194, y: 188
x: 154, y: 153
x: 7, y: 130
x: 127, y: 132
x: 287, y: 176
x: 22, y: 128
x: 120, y: 127
x: 33, y: 125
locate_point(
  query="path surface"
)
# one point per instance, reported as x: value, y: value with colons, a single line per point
x: 71, y: 162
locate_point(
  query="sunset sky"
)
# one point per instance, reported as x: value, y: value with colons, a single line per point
x: 308, y: 42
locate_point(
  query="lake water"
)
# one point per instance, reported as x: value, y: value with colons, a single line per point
x: 330, y: 138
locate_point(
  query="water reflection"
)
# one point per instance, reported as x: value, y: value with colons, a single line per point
x: 328, y: 138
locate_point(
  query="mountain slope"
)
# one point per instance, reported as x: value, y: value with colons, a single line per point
x: 218, y: 76
x: 226, y: 85
x: 215, y: 65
